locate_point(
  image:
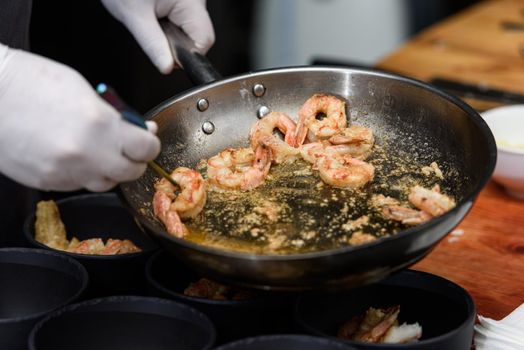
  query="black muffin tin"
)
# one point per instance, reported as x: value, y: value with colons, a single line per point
x: 102, y: 216
x: 32, y: 283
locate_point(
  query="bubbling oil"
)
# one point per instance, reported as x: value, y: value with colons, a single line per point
x: 295, y: 212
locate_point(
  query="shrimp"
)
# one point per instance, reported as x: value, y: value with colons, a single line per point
x: 380, y: 326
x: 97, y: 246
x: 262, y: 134
x: 313, y: 152
x: 88, y: 246
x: 319, y: 129
x: 171, y: 208
x: 405, y: 215
x: 377, y: 322
x: 430, y: 201
x: 120, y: 246
x: 356, y: 141
x: 336, y: 169
x: 345, y: 171
x: 240, y: 168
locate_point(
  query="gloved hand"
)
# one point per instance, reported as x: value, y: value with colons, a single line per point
x: 56, y: 133
x: 141, y: 18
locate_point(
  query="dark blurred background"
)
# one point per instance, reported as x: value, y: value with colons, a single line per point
x: 83, y: 35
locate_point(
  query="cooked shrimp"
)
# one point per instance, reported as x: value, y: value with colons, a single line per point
x: 380, y: 326
x: 356, y: 141
x: 120, y: 246
x: 335, y: 169
x: 313, y: 152
x: 97, y: 246
x: 89, y: 246
x: 376, y: 330
x: 262, y: 134
x: 345, y: 171
x: 405, y: 215
x: 431, y: 201
x: 170, y: 208
x: 391, y: 209
x: 318, y: 129
x: 371, y: 326
x: 240, y: 168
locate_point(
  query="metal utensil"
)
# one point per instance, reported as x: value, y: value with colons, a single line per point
x: 133, y: 117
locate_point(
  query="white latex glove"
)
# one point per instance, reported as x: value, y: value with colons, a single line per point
x: 141, y: 18
x: 56, y: 133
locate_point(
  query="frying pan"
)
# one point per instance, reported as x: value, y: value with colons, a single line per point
x: 417, y: 119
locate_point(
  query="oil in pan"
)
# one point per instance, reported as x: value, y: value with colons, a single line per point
x: 295, y: 212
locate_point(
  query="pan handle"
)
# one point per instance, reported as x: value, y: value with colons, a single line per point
x: 197, y: 66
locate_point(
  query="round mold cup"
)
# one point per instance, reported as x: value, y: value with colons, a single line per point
x: 507, y: 125
x: 286, y: 342
x: 34, y: 282
x: 124, y: 322
x: 444, y: 310
x: 102, y: 216
x: 267, y: 313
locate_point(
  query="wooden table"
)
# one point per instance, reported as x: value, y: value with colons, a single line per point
x: 487, y: 259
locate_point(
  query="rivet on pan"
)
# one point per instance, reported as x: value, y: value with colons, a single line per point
x: 208, y: 128
x: 259, y: 90
x: 262, y: 112
x: 202, y: 104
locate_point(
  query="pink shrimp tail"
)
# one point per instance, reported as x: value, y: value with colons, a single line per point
x: 258, y: 173
x: 174, y: 224
x: 161, y: 203
x: 287, y: 126
x: 300, y: 131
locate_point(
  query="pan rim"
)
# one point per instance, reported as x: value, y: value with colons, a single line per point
x: 467, y: 202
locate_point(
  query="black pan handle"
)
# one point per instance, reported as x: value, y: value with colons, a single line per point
x: 197, y: 66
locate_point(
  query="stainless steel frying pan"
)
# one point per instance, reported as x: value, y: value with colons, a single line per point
x: 417, y: 119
